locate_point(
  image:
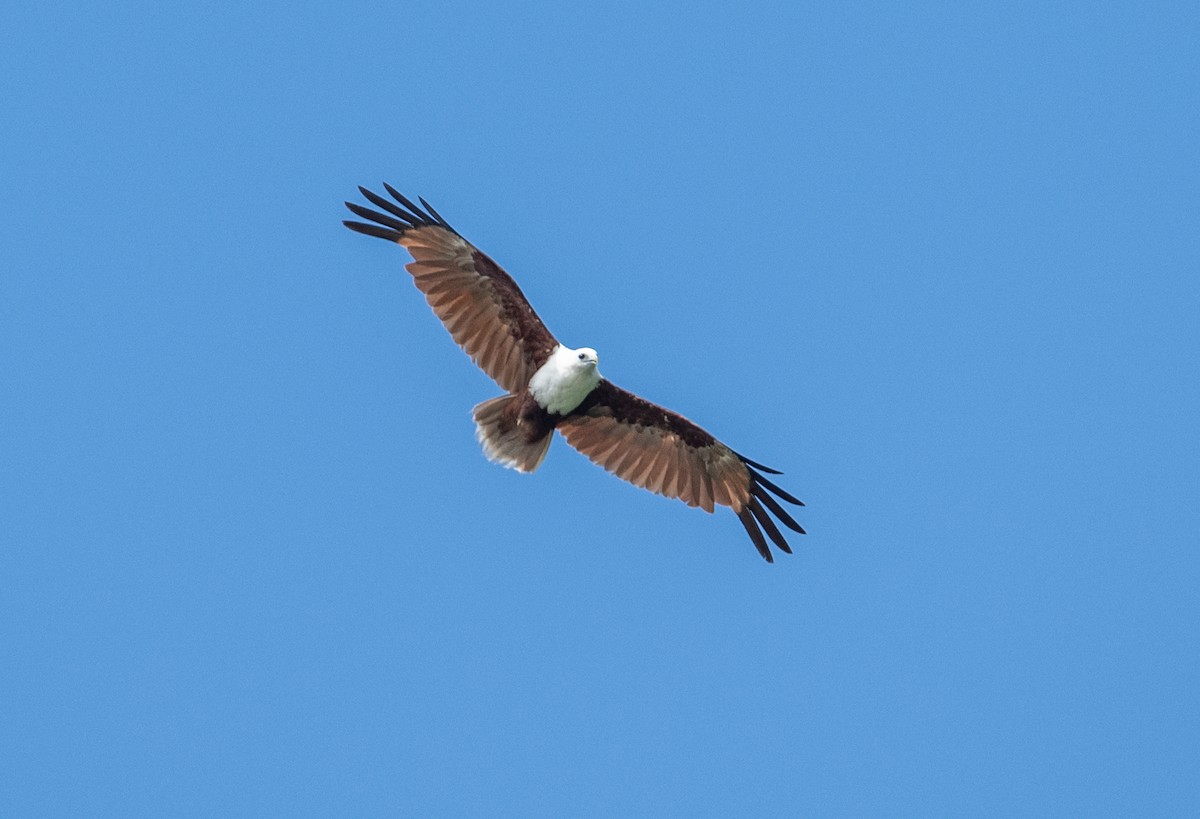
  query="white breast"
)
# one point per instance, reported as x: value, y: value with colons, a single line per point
x: 561, y: 384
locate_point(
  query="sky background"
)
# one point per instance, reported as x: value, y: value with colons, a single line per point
x: 939, y: 262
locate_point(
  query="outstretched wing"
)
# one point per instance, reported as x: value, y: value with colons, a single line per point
x: 480, y: 304
x: 662, y: 451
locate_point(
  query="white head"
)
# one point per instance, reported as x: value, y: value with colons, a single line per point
x: 564, y: 381
x: 583, y: 358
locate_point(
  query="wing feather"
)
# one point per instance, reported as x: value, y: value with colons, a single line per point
x: 643, y: 476
x: 623, y: 459
x: 377, y: 217
x: 777, y: 510
x: 704, y: 481
x: 768, y: 525
x: 382, y: 202
x: 480, y: 304
x: 675, y: 469
x: 656, y: 470
x: 756, y: 536
x: 661, y: 451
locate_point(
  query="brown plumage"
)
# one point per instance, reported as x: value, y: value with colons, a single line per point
x: 636, y: 440
x: 480, y: 304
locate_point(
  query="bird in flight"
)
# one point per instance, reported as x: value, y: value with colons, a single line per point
x: 550, y: 386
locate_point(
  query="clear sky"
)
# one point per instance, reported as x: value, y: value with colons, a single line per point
x: 938, y: 262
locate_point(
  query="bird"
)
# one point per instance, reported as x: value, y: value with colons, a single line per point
x: 552, y: 387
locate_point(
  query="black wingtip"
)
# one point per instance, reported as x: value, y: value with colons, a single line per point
x: 757, y: 465
x: 776, y: 510
x: 379, y: 218
x: 408, y: 203
x: 437, y: 216
x: 390, y: 207
x: 756, y: 536
x: 754, y: 513
x: 787, y: 496
x: 373, y: 230
x: 396, y: 218
x: 768, y: 525
x: 392, y: 192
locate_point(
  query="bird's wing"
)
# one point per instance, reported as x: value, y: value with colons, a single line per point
x: 480, y: 304
x: 662, y: 451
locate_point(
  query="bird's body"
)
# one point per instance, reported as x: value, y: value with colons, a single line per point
x: 553, y: 387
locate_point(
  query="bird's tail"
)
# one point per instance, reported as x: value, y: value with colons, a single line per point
x: 505, y: 439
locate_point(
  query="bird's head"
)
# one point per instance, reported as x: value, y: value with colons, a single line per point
x: 586, y: 357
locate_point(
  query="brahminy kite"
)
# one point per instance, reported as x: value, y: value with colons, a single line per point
x: 552, y: 387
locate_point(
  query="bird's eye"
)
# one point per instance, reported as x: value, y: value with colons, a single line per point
x: 582, y: 356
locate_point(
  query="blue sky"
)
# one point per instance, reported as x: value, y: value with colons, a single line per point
x: 937, y: 262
